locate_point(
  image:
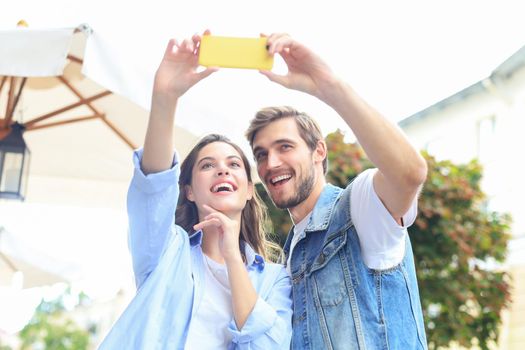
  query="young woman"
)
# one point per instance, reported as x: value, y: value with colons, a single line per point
x: 202, y: 282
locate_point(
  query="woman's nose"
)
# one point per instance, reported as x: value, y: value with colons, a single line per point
x: 222, y: 172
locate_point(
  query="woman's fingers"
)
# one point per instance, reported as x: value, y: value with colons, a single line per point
x: 214, y: 218
x: 169, y: 48
x: 206, y: 72
x: 209, y: 209
x: 187, y: 45
x: 215, y: 222
x: 196, y: 38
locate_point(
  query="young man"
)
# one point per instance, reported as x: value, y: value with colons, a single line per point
x: 349, y: 255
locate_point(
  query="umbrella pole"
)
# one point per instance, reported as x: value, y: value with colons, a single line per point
x: 8, y: 262
x: 10, y: 103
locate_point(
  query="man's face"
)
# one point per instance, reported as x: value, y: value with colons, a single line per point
x: 284, y: 162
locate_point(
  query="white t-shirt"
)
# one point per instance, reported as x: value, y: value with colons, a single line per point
x: 381, y: 238
x: 298, y: 233
x: 209, y: 325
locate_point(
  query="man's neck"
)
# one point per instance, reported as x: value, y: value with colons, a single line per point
x: 300, y: 211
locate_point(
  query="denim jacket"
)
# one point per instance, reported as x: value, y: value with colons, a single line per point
x: 340, y: 303
x: 169, y: 274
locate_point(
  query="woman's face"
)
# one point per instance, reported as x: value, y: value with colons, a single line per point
x: 219, y: 179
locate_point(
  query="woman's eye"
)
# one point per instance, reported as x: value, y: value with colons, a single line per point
x: 236, y: 164
x: 206, y: 166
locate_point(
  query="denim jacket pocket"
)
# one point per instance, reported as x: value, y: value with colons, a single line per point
x: 328, y: 272
x: 334, y: 243
x: 400, y: 306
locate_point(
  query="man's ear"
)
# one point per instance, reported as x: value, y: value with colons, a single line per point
x: 189, y: 193
x: 320, y: 152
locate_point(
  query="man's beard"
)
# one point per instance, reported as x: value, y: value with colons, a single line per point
x: 303, y: 191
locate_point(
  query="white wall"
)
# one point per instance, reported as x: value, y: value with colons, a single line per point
x: 454, y: 133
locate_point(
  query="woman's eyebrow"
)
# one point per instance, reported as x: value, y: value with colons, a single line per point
x: 234, y: 156
x: 213, y: 159
x: 205, y: 158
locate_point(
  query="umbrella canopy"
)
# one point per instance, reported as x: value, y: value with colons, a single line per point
x: 81, y: 135
x: 24, y: 266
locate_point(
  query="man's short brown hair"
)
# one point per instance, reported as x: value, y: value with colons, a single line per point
x: 308, y: 128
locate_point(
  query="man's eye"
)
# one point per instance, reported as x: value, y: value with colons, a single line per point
x: 260, y: 156
x: 285, y: 147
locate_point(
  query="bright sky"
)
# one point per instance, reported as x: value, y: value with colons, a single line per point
x: 401, y: 56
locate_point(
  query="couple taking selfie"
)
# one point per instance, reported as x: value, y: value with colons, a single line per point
x: 200, y: 257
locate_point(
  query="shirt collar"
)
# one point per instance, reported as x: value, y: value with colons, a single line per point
x: 196, y: 238
x: 252, y: 258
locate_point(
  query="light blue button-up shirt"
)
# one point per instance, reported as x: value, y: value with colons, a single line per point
x: 169, y: 274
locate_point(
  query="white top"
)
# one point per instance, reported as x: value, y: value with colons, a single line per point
x: 381, y: 238
x: 209, y: 325
x: 298, y: 233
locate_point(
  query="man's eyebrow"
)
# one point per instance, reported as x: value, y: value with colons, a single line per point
x: 276, y: 142
x: 283, y: 141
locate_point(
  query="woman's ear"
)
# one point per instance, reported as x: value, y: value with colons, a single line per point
x: 251, y: 189
x: 189, y: 193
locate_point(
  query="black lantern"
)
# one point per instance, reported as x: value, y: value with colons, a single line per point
x: 14, y: 164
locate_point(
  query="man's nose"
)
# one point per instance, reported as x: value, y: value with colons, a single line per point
x: 274, y: 160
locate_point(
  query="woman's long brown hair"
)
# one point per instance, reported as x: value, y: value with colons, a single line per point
x: 254, y: 214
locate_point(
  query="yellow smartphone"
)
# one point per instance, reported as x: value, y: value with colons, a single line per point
x: 231, y: 52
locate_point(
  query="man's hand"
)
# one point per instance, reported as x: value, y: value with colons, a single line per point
x: 307, y: 72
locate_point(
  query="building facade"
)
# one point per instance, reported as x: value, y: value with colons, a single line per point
x: 486, y: 121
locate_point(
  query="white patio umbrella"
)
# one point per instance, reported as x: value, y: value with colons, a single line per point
x: 80, y: 134
x: 22, y: 265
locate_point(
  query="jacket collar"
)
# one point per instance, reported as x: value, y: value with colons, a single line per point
x: 321, y: 214
x: 323, y: 209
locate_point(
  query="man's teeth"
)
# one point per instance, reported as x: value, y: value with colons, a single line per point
x: 280, y: 178
x: 223, y: 186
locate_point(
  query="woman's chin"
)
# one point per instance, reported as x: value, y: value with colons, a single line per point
x: 227, y: 208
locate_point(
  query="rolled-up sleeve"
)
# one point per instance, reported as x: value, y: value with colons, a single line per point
x: 269, y: 326
x: 151, y: 204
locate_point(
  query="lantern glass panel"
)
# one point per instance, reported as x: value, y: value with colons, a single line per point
x: 11, y: 176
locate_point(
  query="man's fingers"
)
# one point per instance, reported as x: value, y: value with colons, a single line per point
x: 279, y: 79
x: 277, y: 41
